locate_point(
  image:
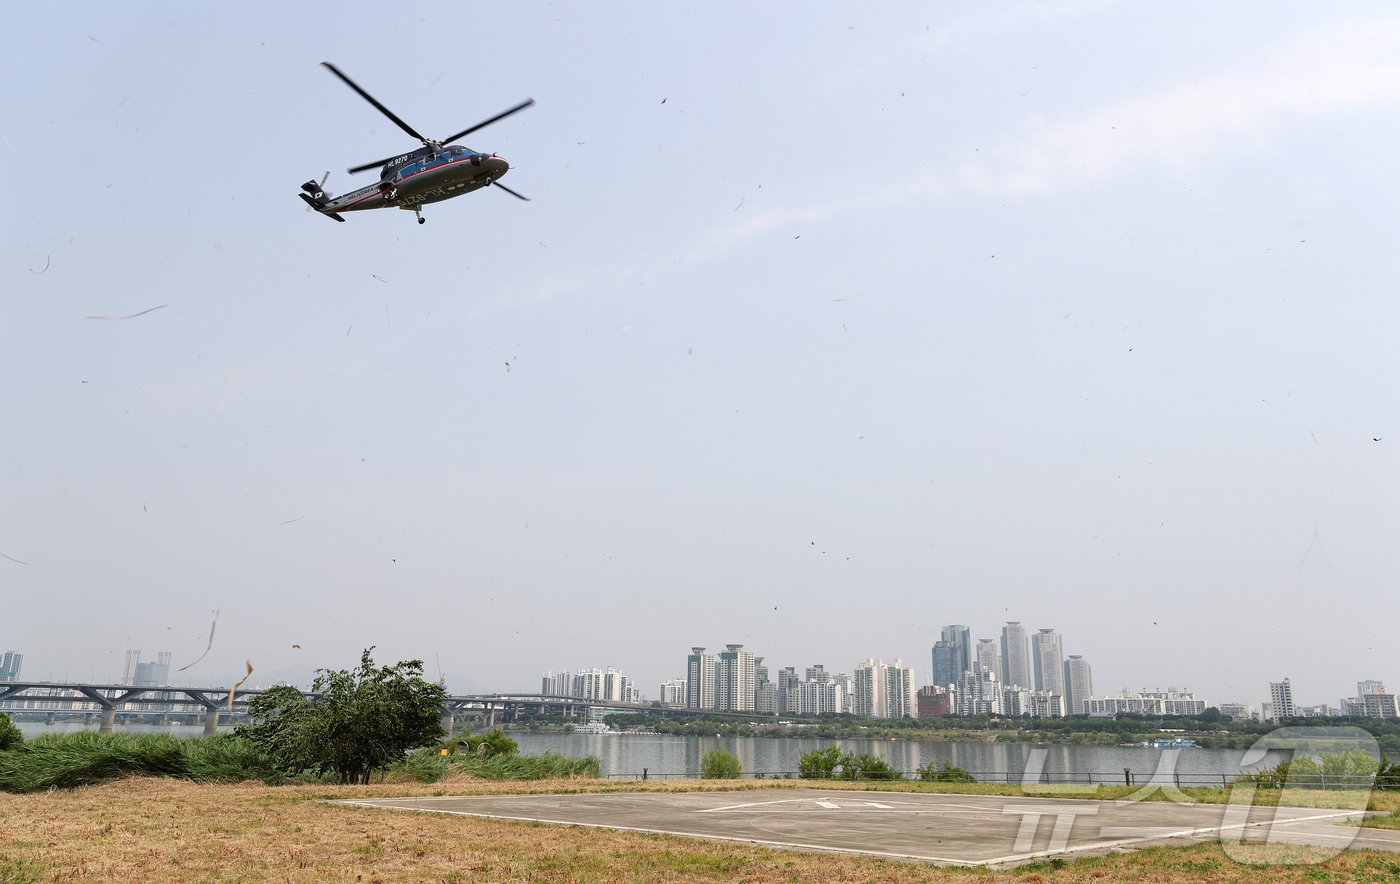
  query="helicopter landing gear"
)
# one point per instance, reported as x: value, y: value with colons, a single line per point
x: 417, y: 210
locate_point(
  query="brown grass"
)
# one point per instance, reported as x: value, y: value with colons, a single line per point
x: 162, y: 830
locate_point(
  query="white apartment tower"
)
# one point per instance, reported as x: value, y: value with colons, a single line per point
x: 736, y: 679
x: 988, y: 655
x: 884, y: 690
x: 1079, y: 684
x: 869, y: 694
x: 1016, y: 670
x: 700, y: 680
x: 1048, y: 658
x: 1281, y: 700
x: 673, y: 692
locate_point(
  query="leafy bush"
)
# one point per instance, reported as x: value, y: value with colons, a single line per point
x: 719, y: 764
x: 1354, y: 767
x: 946, y: 773
x: 867, y: 767
x: 9, y: 734
x: 819, y: 764
x: 495, y: 742
x: 824, y: 764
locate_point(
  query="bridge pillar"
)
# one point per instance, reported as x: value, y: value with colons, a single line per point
x: 109, y: 720
x: 491, y: 722
x: 449, y: 722
x: 211, y: 721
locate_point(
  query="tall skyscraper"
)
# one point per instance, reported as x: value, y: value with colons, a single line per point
x: 700, y: 679
x: 1048, y: 658
x: 1079, y: 684
x: 152, y: 674
x: 901, y: 693
x: 735, y: 680
x: 9, y: 666
x: 946, y: 662
x: 1281, y: 700
x: 961, y: 638
x: 1016, y: 656
x: 987, y: 655
x: 133, y: 659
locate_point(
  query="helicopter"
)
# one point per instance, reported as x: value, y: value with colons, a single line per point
x: 439, y: 170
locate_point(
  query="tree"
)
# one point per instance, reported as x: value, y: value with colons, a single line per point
x: 9, y: 734
x: 819, y: 764
x: 362, y: 721
x: 719, y: 764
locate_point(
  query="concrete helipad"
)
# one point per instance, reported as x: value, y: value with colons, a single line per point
x: 948, y: 829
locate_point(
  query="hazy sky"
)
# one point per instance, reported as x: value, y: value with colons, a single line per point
x: 827, y: 326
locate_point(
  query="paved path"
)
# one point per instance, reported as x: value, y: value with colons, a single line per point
x: 948, y: 829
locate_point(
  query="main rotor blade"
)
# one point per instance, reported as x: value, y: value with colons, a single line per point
x: 509, y: 191
x: 362, y: 167
x: 484, y: 123
x: 370, y: 98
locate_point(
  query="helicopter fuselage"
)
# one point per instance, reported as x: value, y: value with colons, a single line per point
x: 426, y: 175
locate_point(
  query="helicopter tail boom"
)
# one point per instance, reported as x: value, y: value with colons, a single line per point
x: 319, y: 206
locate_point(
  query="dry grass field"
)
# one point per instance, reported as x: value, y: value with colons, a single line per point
x: 159, y: 830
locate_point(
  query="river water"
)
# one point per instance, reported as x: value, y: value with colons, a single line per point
x: 628, y: 755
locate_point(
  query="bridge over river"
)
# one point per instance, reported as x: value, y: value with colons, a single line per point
x: 54, y: 700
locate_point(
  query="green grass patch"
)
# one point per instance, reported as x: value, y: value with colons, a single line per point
x: 428, y: 765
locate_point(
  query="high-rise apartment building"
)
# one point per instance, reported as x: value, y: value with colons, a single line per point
x: 1369, y: 686
x: 884, y: 690
x: 1079, y: 684
x: 588, y: 684
x: 979, y: 692
x: 987, y: 654
x: 1016, y: 669
x: 961, y: 638
x: 673, y: 692
x: 820, y: 698
x: 869, y: 698
x: 1281, y: 700
x: 946, y: 663
x: 1048, y: 661
x: 9, y: 666
x: 700, y: 679
x: 735, y: 680
x: 788, y: 686
x: 133, y: 659
x: 900, y: 691
x: 153, y: 674
x: 817, y: 672
x: 560, y: 684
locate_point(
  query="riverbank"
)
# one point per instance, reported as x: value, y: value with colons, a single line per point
x: 162, y: 830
